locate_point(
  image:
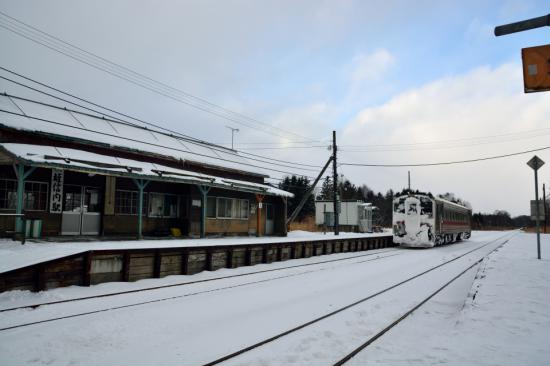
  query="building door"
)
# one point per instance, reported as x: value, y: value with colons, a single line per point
x: 269, y: 219
x: 81, y: 210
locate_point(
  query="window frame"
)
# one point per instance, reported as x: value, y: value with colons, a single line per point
x: 151, y: 194
x: 145, y: 209
x: 47, y: 196
x: 236, y: 208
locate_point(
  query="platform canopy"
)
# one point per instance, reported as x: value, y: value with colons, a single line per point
x: 87, y: 162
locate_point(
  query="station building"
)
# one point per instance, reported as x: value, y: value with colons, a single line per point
x: 82, y: 173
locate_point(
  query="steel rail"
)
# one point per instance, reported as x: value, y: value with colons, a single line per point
x: 339, y: 310
x: 179, y: 296
x: 364, y: 345
x: 34, y: 306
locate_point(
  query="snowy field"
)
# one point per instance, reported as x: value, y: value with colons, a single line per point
x: 15, y: 255
x: 495, y: 314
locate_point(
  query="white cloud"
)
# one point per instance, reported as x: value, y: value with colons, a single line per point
x: 484, y: 101
x: 371, y: 67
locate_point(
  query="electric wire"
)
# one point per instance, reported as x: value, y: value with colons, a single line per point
x: 148, y: 143
x: 54, y: 43
x: 446, y: 162
x: 187, y: 137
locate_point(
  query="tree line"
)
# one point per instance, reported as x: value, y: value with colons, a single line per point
x: 299, y: 185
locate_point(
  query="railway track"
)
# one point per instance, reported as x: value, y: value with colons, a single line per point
x: 349, y: 306
x: 179, y: 284
x: 190, y: 294
x: 372, y: 339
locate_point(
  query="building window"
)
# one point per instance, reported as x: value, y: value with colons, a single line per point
x: 163, y: 205
x: 227, y: 208
x: 126, y: 202
x: 243, y: 209
x: 211, y: 207
x: 35, y: 197
x: 8, y: 194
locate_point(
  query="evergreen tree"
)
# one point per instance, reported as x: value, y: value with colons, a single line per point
x: 326, y: 189
x: 298, y: 186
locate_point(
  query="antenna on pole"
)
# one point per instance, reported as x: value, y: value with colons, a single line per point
x: 233, y: 130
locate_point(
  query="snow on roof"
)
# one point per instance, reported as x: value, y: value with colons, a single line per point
x: 71, y: 159
x: 28, y: 115
x: 451, y: 203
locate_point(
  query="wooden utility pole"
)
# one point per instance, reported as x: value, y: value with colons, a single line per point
x: 335, y: 186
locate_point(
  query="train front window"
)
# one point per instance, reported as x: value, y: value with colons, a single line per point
x: 426, y: 207
x: 413, y: 209
x: 399, y: 206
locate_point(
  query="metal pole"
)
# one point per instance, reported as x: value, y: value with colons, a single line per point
x: 409, y: 174
x: 523, y: 25
x: 141, y: 184
x: 233, y: 130
x: 204, y: 201
x: 335, y: 185
x: 20, y: 170
x: 537, y: 212
x: 544, y: 204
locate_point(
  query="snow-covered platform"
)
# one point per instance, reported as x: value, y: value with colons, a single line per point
x: 44, y: 265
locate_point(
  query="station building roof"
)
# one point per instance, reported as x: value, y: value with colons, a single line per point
x: 155, y: 146
x: 91, y: 163
x: 33, y: 116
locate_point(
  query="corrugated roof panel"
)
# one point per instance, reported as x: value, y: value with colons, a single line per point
x: 47, y: 113
x: 72, y: 125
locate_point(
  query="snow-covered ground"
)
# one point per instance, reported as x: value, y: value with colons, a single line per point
x: 503, y: 318
x: 505, y: 323
x: 15, y: 255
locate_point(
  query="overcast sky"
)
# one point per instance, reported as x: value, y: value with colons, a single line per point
x: 400, y: 81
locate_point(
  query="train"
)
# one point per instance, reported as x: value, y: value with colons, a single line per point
x: 421, y: 220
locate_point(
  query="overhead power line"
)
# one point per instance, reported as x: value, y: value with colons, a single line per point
x: 79, y: 54
x: 443, y: 145
x: 172, y: 132
x: 150, y: 143
x: 446, y: 162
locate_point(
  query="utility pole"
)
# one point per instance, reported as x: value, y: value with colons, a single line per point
x: 233, y: 130
x: 335, y: 186
x: 409, y: 172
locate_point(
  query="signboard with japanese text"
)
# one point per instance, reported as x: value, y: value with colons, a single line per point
x: 56, y: 193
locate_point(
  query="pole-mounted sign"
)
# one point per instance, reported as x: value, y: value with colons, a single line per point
x: 535, y: 163
x: 536, y: 60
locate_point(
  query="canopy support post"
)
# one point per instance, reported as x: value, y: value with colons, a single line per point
x: 21, y: 175
x: 141, y: 184
x: 204, y: 192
